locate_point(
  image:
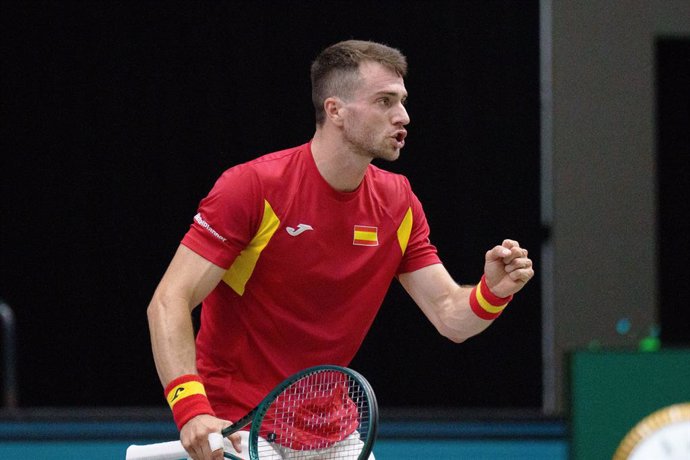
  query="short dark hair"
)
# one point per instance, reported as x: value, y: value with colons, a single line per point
x: 335, y: 72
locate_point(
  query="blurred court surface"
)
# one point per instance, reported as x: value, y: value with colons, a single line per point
x: 106, y: 437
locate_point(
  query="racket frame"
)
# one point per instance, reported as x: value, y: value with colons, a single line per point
x: 175, y: 450
x: 257, y: 414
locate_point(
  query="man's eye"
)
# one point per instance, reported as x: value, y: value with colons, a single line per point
x: 385, y: 101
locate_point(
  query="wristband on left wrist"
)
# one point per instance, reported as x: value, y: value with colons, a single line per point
x: 485, y: 303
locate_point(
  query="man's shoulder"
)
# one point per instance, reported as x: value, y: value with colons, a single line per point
x: 381, y: 178
x: 266, y: 166
x: 279, y: 160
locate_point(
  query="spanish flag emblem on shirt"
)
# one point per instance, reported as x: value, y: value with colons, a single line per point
x: 365, y: 236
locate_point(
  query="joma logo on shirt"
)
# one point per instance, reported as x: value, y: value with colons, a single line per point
x: 301, y: 228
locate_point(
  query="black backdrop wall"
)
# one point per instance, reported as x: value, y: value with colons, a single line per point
x: 119, y: 116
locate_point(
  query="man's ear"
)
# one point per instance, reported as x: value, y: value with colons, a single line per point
x: 333, y: 107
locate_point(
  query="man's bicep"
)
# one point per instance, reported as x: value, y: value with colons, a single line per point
x: 430, y: 287
x: 190, y: 276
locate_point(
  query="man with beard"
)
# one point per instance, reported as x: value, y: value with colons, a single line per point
x: 292, y: 254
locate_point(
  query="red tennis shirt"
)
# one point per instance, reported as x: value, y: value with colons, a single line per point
x: 307, y: 270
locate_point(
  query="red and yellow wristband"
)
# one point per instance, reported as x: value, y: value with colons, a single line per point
x: 186, y: 397
x: 485, y: 304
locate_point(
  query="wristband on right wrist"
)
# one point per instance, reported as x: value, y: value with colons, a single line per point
x: 485, y: 303
x: 186, y: 397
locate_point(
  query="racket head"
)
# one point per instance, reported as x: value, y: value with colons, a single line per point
x: 330, y: 410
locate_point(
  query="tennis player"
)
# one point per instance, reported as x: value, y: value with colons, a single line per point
x: 292, y: 254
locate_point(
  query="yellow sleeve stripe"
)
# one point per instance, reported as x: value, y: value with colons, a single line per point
x: 184, y: 390
x: 485, y: 304
x: 405, y: 230
x: 242, y: 268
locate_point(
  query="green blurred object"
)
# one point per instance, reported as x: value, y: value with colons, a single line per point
x: 612, y: 390
x: 652, y: 342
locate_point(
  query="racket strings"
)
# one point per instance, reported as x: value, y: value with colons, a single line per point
x: 324, y: 415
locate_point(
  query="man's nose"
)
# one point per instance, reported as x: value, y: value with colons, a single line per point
x: 401, y: 116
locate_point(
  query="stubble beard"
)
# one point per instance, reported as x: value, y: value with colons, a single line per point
x: 367, y: 145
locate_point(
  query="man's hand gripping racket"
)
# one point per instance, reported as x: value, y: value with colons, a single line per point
x: 323, y: 412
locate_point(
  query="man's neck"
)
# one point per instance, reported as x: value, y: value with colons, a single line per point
x: 341, y: 168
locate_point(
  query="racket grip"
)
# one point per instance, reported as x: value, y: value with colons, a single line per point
x: 171, y: 450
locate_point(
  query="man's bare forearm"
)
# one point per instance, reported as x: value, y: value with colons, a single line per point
x: 172, y: 338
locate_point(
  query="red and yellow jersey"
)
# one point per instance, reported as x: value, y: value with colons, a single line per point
x: 307, y: 270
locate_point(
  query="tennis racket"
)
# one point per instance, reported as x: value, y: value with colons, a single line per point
x: 323, y: 412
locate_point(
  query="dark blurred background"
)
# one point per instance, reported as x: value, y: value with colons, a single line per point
x: 119, y: 116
